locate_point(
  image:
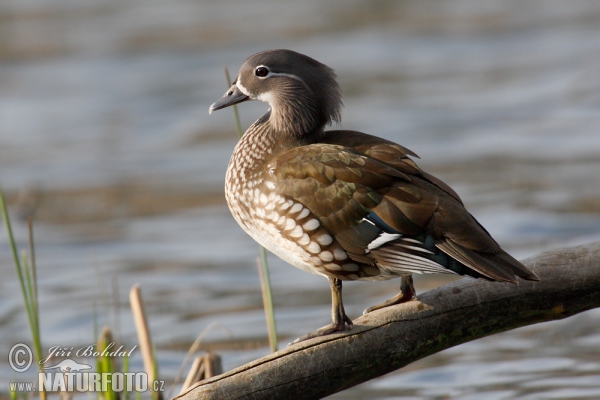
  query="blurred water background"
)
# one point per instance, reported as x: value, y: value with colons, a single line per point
x: 105, y: 140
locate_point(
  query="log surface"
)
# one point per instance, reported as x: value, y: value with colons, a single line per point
x: 388, y: 339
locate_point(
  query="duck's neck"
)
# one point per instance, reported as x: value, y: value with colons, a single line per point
x: 297, y: 117
x: 272, y: 134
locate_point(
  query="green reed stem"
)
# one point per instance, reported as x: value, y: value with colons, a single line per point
x: 263, y: 274
x: 265, y: 279
x: 15, y: 254
x: 238, y: 124
x: 33, y: 272
x: 27, y: 279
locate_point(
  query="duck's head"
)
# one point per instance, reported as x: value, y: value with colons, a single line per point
x: 303, y: 93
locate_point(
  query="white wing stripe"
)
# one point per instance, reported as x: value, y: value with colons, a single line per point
x: 407, y: 239
x: 409, y: 262
x: 421, y: 249
x: 382, y: 239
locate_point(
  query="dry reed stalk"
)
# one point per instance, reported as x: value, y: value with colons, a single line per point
x: 141, y: 325
x: 204, y: 367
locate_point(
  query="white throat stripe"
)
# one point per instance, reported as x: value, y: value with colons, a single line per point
x: 239, y: 85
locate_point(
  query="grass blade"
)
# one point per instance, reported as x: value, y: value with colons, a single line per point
x: 13, y: 247
x: 263, y: 273
x: 238, y: 124
x: 33, y: 273
x: 28, y: 280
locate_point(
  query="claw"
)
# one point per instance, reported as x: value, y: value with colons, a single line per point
x: 407, y: 293
x: 324, y: 331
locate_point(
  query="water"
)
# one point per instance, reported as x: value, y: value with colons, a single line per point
x: 105, y: 139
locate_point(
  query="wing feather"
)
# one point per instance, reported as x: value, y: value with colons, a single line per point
x: 387, y: 213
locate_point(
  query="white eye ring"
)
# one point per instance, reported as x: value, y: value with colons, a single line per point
x: 261, y: 71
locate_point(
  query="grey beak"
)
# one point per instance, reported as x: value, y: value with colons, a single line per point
x: 233, y: 96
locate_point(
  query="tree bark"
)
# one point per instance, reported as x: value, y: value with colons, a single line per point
x: 388, y: 339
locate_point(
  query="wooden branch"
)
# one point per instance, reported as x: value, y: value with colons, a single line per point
x: 389, y: 339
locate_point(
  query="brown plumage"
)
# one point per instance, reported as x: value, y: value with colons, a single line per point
x: 344, y: 204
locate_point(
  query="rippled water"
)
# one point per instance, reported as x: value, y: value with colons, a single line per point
x: 105, y: 139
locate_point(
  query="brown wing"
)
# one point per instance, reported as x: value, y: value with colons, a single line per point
x: 386, y: 152
x: 384, y: 211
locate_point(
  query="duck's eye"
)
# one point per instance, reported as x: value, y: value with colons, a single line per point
x: 261, y: 72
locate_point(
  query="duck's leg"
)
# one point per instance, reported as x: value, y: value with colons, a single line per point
x: 407, y: 292
x: 338, y: 315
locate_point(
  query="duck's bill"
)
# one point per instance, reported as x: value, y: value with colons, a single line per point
x: 233, y: 96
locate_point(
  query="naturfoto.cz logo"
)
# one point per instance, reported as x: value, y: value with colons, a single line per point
x: 72, y: 376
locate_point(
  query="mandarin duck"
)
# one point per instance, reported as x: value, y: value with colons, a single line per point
x: 344, y: 204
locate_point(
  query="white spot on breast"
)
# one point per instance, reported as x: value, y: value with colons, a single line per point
x: 316, y: 260
x: 304, y: 213
x: 304, y: 240
x: 270, y: 185
x: 333, y: 267
x: 324, y: 239
x: 289, y: 224
x: 296, y: 232
x: 274, y: 216
x: 339, y: 254
x: 326, y: 256
x: 263, y: 198
x: 281, y: 220
x: 297, y: 207
x: 287, y: 205
x: 311, y: 225
x: 314, y: 247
